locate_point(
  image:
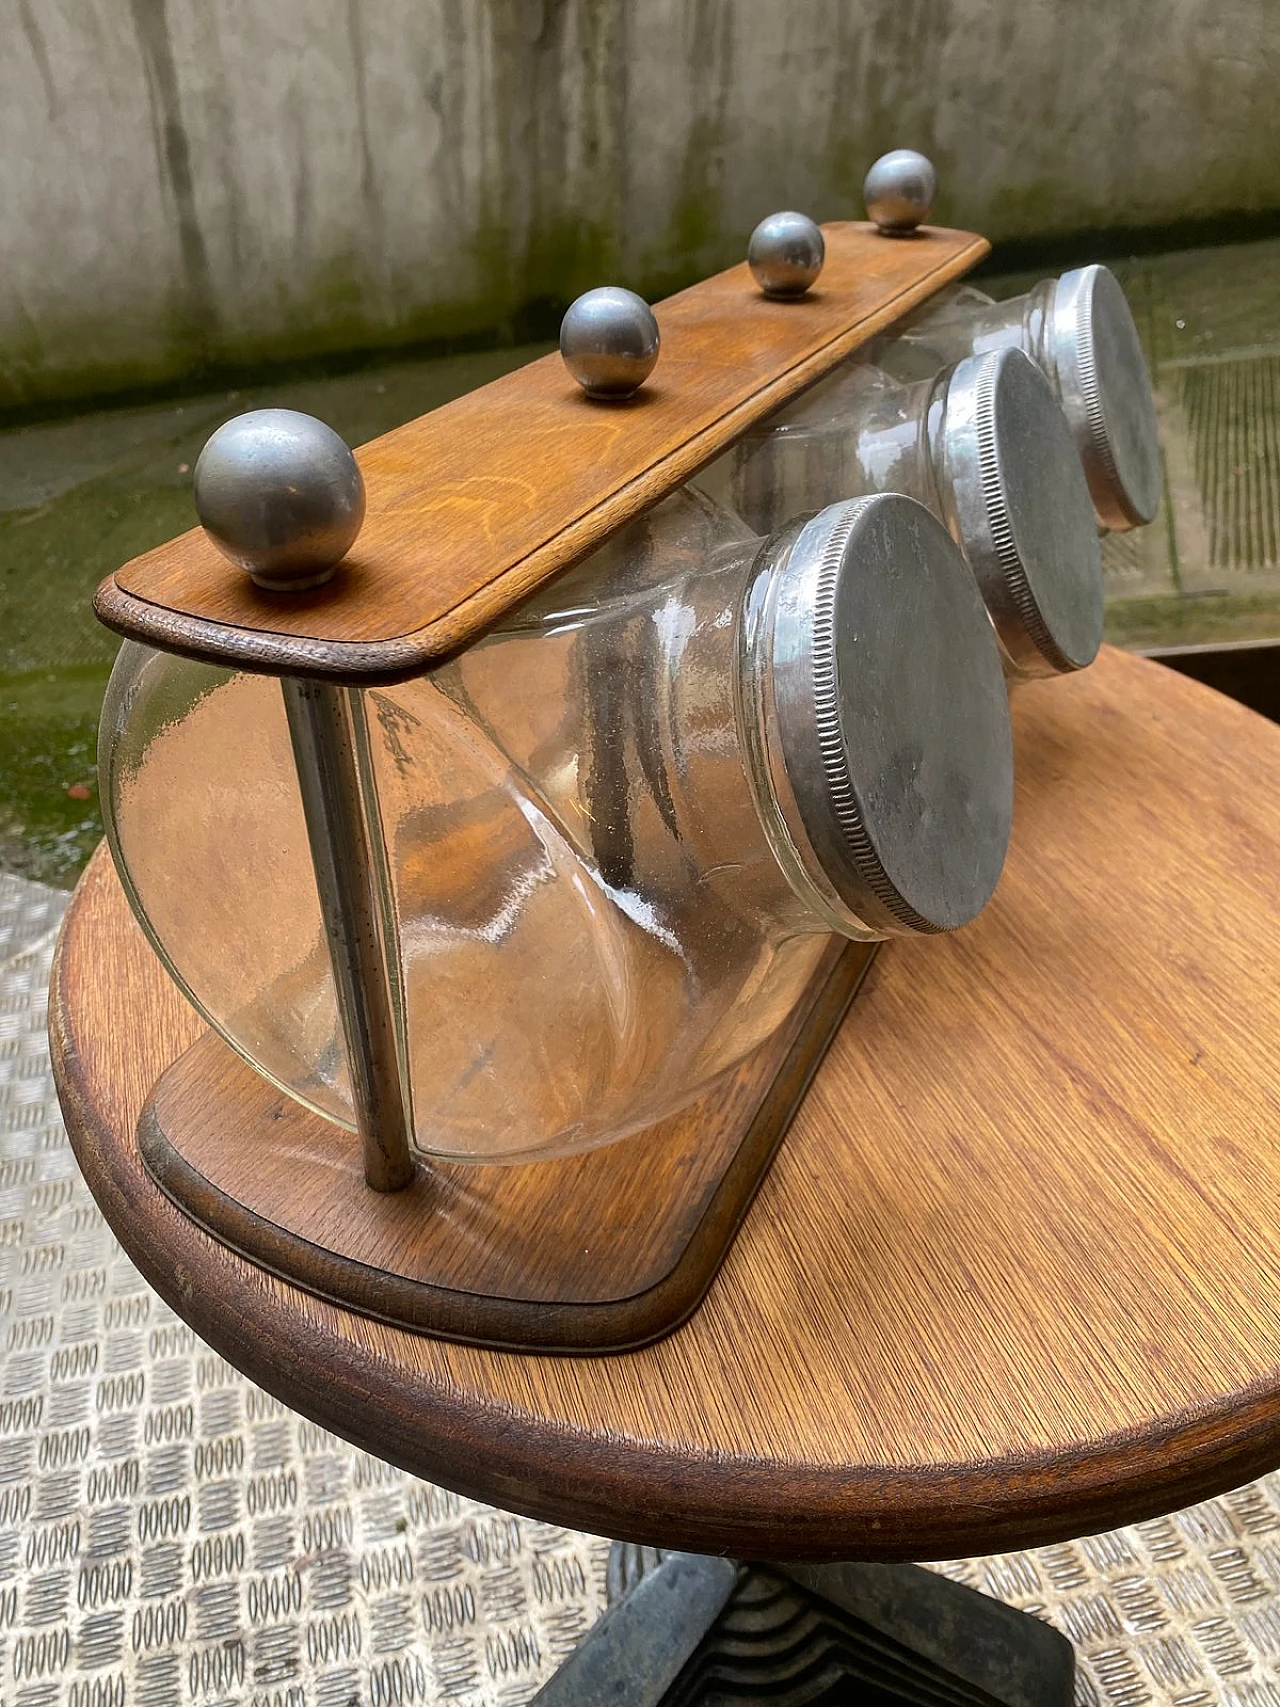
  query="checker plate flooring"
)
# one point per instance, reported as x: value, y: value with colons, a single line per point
x: 170, y: 1535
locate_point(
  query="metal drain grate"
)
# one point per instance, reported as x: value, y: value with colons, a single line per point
x: 1124, y: 562
x: 1231, y: 414
x: 28, y: 911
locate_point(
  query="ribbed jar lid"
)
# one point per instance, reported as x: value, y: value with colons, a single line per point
x: 1106, y: 392
x: 885, y: 715
x: 1012, y: 490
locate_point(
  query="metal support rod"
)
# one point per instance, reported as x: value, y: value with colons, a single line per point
x: 320, y: 728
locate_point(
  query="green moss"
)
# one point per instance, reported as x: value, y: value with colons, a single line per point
x: 564, y: 259
x: 694, y: 244
x: 336, y: 320
x: 1046, y: 205
x: 52, y: 559
x: 103, y: 349
x: 49, y: 817
x: 1193, y: 620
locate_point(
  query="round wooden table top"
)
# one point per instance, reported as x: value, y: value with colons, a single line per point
x: 1015, y: 1274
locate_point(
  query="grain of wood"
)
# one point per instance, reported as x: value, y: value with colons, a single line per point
x: 1014, y: 1274
x: 604, y: 1249
x: 474, y: 506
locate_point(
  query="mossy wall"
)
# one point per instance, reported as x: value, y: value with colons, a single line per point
x: 201, y: 184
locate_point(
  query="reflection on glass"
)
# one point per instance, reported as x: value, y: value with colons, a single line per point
x: 590, y: 923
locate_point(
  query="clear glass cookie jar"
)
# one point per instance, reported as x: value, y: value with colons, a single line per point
x: 611, y: 839
x: 985, y: 447
x: 1080, y: 332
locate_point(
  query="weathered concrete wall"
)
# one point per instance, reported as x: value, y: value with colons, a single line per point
x: 190, y: 183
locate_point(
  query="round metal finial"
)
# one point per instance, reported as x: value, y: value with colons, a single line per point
x: 785, y: 254
x: 899, y: 191
x: 609, y: 341
x: 280, y: 494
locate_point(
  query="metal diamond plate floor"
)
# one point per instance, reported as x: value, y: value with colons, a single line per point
x: 170, y: 1535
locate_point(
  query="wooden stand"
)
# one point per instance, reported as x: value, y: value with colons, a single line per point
x: 471, y: 509
x: 592, y: 1252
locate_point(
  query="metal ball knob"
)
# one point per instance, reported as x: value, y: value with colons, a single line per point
x: 899, y: 191
x: 609, y: 341
x: 280, y: 494
x: 785, y: 254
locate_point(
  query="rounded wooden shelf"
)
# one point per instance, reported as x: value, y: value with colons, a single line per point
x: 1015, y: 1274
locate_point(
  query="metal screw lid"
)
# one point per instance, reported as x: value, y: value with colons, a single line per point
x: 1013, y: 495
x: 1106, y: 394
x: 875, y: 685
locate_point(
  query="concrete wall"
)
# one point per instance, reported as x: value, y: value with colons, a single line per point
x: 189, y: 183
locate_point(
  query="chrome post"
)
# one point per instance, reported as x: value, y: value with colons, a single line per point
x: 281, y: 496
x: 320, y: 727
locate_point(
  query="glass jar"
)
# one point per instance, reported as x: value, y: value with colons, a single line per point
x: 983, y: 445
x: 612, y: 838
x: 1080, y: 332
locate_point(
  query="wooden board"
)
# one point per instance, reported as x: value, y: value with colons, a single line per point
x: 589, y: 1252
x: 1013, y: 1276
x: 474, y: 506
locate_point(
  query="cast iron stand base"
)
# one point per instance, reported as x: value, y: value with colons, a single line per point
x: 683, y: 1630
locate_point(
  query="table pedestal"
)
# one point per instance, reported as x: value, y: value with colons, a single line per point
x: 687, y: 1630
